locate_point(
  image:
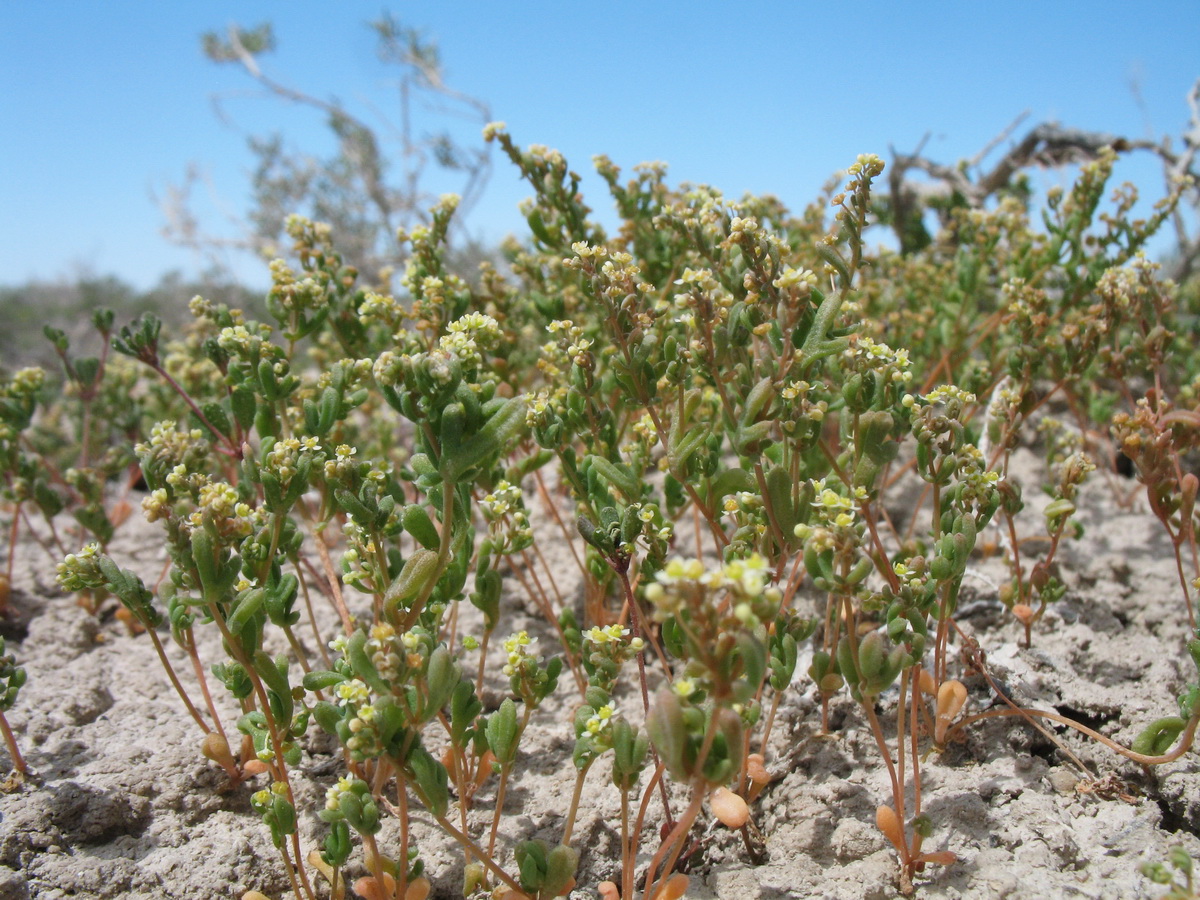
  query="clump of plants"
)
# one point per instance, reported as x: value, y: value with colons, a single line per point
x: 712, y: 407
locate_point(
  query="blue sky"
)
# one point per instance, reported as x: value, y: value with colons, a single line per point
x: 106, y: 104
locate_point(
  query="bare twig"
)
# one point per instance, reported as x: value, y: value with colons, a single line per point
x: 355, y: 186
x: 1048, y: 145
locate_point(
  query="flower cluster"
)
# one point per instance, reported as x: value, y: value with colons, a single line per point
x: 519, y: 648
x: 80, y: 571
x: 468, y: 336
x: 171, y: 449
x: 503, y: 508
x: 743, y: 578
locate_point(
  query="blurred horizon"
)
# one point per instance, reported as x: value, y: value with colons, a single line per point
x: 111, y: 104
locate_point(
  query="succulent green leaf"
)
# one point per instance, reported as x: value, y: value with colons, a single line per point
x: 494, y: 437
x: 419, y: 569
x: 618, y: 475
x: 319, y: 681
x: 417, y: 522
x: 432, y: 781
x: 561, y: 864
x: 502, y: 732
x: 442, y: 677
x: 246, y: 606
x: 327, y: 716
x: 1159, y: 736
x: 668, y: 733
x: 532, y: 864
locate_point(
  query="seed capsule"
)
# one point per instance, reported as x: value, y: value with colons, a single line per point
x: 730, y: 809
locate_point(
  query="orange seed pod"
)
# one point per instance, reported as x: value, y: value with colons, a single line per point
x: 756, y: 771
x: 888, y: 822
x: 369, y: 888
x: 254, y: 767
x: 216, y: 748
x: 674, y: 887
x: 485, y: 768
x: 730, y: 809
x: 951, y: 698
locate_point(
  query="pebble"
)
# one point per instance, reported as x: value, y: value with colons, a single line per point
x: 1063, y: 780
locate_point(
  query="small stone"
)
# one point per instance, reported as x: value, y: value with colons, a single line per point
x: 1063, y: 780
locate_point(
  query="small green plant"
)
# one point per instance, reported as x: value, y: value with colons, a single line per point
x: 12, y: 679
x: 1181, y: 864
x: 57, y: 456
x: 709, y: 408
